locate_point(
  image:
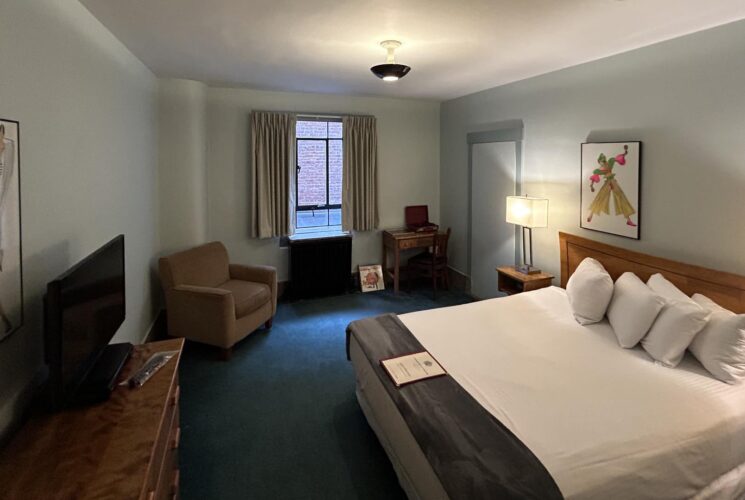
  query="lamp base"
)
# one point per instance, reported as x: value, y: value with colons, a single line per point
x: 526, y: 269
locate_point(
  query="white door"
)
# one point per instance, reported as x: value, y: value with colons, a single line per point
x: 493, y: 167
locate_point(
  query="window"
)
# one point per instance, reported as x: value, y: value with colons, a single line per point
x: 319, y: 169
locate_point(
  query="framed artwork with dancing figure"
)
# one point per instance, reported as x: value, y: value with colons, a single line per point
x: 610, y: 187
x: 11, y: 278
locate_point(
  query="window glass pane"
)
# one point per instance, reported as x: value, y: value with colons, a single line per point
x: 335, y: 217
x: 311, y: 129
x: 335, y: 130
x: 335, y: 166
x: 313, y: 218
x: 318, y: 183
x: 311, y: 178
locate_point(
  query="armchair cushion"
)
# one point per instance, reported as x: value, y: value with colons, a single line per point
x: 259, y: 274
x: 247, y: 295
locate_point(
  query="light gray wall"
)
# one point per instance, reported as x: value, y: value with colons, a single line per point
x: 87, y: 112
x: 182, y: 175
x: 408, y: 160
x: 683, y: 98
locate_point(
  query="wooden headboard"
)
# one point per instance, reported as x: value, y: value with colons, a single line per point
x: 726, y: 289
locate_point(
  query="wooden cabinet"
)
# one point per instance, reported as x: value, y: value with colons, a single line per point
x: 125, y: 448
x: 511, y: 281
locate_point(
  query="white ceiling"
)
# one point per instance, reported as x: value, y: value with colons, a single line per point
x: 454, y: 47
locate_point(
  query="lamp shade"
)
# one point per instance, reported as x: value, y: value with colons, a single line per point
x: 527, y: 212
x: 390, y: 72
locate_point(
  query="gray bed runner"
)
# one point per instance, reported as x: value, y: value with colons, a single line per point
x: 473, y: 454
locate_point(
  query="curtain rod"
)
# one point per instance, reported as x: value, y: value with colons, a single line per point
x: 311, y: 115
x: 308, y: 115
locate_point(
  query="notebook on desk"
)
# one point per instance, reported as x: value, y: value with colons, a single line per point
x: 417, y: 219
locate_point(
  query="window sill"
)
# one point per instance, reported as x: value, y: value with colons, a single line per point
x: 315, y: 233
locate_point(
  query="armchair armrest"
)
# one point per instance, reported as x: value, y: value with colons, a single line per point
x: 204, y: 292
x: 202, y: 313
x: 258, y: 274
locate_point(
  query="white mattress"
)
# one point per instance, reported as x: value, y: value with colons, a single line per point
x: 606, y: 422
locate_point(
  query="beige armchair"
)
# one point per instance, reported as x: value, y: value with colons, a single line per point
x: 211, y: 301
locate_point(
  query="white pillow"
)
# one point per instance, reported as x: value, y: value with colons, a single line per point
x: 662, y: 286
x: 720, y: 346
x: 632, y: 309
x: 589, y: 290
x: 676, y: 326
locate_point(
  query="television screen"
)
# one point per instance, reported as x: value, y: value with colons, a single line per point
x: 84, y: 308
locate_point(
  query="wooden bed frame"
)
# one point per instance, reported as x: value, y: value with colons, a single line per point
x: 726, y: 289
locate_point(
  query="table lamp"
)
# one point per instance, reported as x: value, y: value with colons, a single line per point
x: 528, y: 213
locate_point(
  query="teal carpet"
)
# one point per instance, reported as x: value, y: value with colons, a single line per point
x: 281, y: 420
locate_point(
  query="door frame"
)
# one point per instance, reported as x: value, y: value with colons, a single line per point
x: 505, y: 131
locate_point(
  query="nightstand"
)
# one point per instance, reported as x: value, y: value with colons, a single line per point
x: 511, y: 281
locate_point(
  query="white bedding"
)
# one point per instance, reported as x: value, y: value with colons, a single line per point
x: 606, y: 422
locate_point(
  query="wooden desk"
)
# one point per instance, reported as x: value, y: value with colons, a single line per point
x: 124, y: 448
x: 396, y: 240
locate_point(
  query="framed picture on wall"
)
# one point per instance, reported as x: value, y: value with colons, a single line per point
x: 610, y: 187
x: 11, y: 279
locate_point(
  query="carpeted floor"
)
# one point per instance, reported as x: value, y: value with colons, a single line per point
x: 280, y: 420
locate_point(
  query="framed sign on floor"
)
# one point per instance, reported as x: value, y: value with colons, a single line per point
x: 371, y: 278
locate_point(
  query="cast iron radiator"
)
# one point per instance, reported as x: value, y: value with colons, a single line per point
x: 321, y: 266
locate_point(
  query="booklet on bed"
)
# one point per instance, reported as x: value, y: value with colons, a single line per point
x: 412, y: 368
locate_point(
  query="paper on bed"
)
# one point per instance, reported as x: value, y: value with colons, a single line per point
x: 412, y: 368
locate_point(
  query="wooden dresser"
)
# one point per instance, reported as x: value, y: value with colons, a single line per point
x: 125, y: 448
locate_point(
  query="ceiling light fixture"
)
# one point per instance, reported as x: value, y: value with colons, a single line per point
x: 390, y: 71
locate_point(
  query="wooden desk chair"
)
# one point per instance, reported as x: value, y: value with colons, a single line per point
x: 432, y: 264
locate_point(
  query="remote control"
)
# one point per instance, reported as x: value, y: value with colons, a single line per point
x: 152, y: 365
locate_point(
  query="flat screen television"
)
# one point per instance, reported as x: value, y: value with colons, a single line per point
x: 84, y: 307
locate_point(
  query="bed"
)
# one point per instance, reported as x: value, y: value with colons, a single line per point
x: 605, y: 422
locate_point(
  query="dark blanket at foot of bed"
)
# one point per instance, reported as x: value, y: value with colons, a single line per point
x: 472, y: 453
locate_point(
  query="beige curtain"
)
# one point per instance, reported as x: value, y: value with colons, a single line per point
x: 359, y: 203
x: 273, y: 168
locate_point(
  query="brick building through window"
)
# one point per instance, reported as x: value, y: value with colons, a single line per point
x: 319, y: 173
